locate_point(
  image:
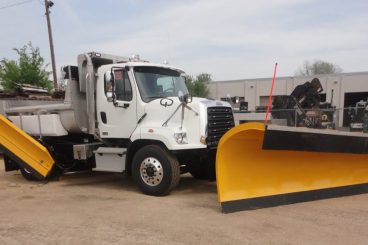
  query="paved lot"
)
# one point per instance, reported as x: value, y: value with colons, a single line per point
x: 108, y: 209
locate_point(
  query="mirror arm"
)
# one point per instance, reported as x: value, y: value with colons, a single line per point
x: 112, y: 80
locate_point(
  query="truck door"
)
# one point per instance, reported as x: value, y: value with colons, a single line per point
x: 116, y: 105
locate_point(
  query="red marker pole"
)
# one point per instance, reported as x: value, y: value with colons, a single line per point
x: 270, y: 97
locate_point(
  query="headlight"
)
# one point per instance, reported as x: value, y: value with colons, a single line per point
x: 181, y: 138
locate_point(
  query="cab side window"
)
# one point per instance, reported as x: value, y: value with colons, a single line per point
x: 123, y: 87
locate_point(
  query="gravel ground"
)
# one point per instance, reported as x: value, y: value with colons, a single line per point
x: 104, y: 208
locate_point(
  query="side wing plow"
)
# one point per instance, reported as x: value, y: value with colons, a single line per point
x: 24, y: 150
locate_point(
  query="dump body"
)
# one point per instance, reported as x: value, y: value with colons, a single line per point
x: 72, y: 113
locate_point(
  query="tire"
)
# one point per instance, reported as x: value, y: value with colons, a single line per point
x: 155, y: 170
x: 27, y: 175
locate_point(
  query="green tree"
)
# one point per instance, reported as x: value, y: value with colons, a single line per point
x: 198, y: 86
x: 29, y: 69
x: 318, y: 67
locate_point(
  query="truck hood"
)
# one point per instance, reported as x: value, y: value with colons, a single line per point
x: 160, y: 110
x: 166, y: 114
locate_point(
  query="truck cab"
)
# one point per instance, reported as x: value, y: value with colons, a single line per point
x: 127, y: 115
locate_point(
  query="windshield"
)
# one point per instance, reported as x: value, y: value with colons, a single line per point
x: 156, y: 82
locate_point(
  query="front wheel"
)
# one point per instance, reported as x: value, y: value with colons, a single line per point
x: 155, y: 170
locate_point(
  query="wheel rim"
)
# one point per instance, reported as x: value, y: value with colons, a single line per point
x: 151, y: 171
x: 25, y: 170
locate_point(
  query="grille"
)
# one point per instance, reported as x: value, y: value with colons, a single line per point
x: 220, y: 120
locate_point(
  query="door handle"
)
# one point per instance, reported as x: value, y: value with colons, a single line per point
x: 122, y: 104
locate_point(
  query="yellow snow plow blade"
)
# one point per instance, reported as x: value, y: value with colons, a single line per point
x: 24, y: 150
x: 250, y: 176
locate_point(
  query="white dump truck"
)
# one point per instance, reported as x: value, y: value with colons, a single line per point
x: 125, y: 115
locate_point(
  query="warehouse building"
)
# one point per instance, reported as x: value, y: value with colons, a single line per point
x: 342, y: 90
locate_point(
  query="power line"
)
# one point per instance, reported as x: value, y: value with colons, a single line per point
x: 15, y: 4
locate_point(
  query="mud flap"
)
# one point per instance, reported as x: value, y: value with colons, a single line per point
x: 252, y: 173
x: 10, y: 165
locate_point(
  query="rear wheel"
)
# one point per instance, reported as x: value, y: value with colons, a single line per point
x: 27, y: 174
x: 155, y: 170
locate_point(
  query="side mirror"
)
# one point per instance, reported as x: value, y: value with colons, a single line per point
x: 188, y: 98
x: 109, y: 97
x: 109, y: 86
x: 185, y: 98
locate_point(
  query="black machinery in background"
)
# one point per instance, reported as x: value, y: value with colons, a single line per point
x: 303, y: 107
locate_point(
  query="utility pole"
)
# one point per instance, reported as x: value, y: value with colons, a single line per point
x: 48, y: 5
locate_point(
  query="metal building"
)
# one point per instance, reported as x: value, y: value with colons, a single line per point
x: 341, y: 90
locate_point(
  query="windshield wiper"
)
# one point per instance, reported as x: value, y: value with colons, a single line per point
x: 154, y: 97
x: 151, y: 98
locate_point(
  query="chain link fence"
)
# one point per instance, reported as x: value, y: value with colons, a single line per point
x: 346, y: 119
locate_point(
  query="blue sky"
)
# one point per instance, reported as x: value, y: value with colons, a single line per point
x: 230, y: 39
